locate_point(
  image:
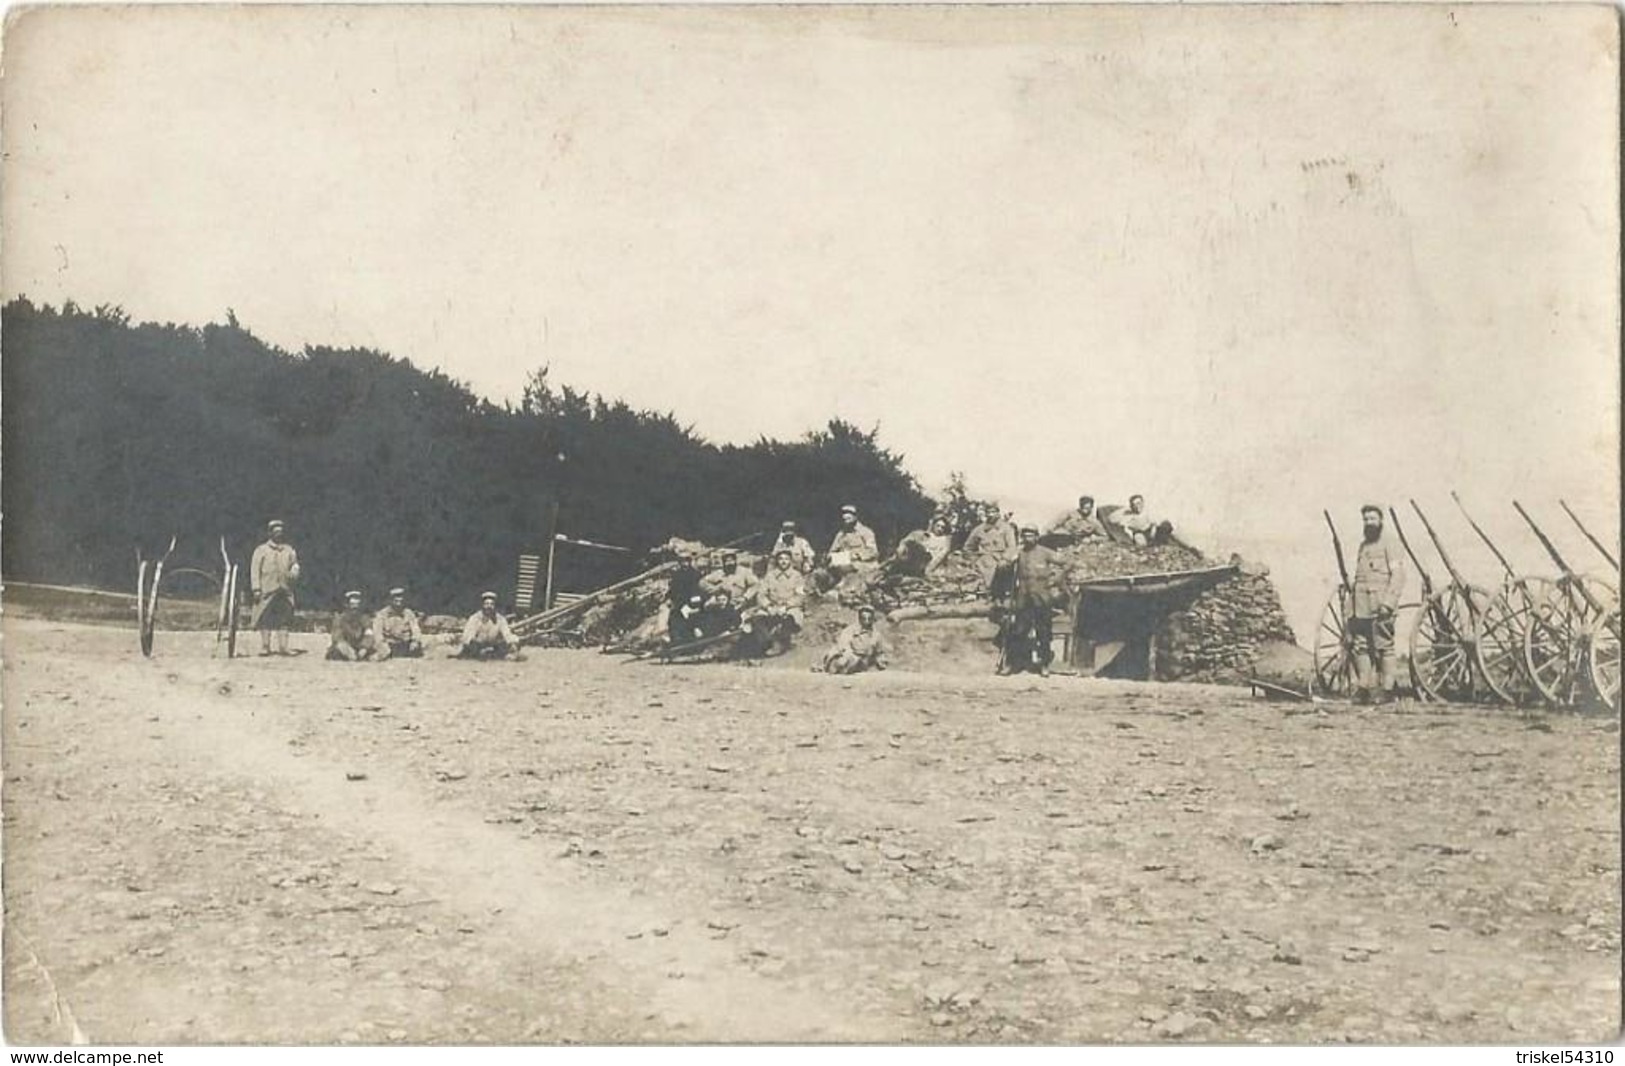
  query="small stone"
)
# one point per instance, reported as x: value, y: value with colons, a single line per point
x: 1177, y: 1025
x: 1255, y: 1012
x: 1266, y: 842
x: 942, y: 1019
x: 852, y: 866
x: 382, y: 888
x: 354, y: 775
x: 1284, y: 955
x: 1152, y: 1015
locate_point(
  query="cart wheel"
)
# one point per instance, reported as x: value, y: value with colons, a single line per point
x: 1334, y: 661
x: 1602, y: 658
x: 1442, y: 643
x: 143, y: 618
x: 1501, y: 630
x: 1555, y: 643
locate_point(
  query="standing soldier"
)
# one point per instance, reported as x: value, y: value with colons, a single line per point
x: 397, y: 628
x: 273, y: 571
x: 800, y: 549
x: 1038, y: 585
x: 1379, y: 580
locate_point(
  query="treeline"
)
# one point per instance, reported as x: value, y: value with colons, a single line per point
x: 118, y: 435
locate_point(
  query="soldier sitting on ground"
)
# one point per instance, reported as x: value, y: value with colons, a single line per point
x: 854, y: 548
x: 397, y: 629
x: 859, y: 647
x: 991, y: 543
x: 486, y: 634
x: 737, y: 581
x: 352, y: 637
x: 774, y: 613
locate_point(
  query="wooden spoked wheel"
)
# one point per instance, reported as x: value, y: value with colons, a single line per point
x: 1444, y: 643
x: 1559, y: 634
x: 1501, y: 631
x: 1333, y: 647
x: 1602, y: 658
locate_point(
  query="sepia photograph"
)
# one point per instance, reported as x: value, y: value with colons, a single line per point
x: 923, y: 524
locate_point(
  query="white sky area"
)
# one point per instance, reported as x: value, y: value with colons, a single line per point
x: 1251, y: 262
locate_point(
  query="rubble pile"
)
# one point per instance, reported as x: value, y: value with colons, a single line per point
x: 1222, y: 633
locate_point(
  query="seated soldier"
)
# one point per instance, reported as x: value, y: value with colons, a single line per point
x: 774, y: 613
x: 800, y: 549
x: 397, y: 629
x: 1077, y: 526
x: 992, y: 542
x: 859, y: 647
x: 486, y: 634
x: 854, y: 547
x: 922, y: 551
x: 730, y: 577
x: 352, y: 637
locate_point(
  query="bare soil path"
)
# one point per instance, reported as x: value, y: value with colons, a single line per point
x: 571, y: 849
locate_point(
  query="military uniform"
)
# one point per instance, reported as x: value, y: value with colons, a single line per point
x: 1076, y: 526
x: 487, y: 637
x: 858, y: 649
x: 352, y: 638
x: 858, y: 543
x: 1040, y: 575
x: 800, y: 549
x: 398, y: 632
x: 1379, y: 581
x: 272, y: 571
x: 738, y: 583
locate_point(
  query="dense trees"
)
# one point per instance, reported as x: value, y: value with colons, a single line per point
x: 117, y: 434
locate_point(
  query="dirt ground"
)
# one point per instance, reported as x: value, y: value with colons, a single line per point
x: 572, y: 849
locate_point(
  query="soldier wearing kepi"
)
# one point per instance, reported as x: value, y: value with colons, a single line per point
x: 737, y: 581
x: 859, y: 647
x: 397, y: 629
x: 800, y: 549
x: 486, y: 634
x: 1039, y: 584
x: 774, y: 613
x: 1379, y: 581
x: 1079, y: 525
x: 854, y: 547
x: 353, y: 640
x: 273, y: 571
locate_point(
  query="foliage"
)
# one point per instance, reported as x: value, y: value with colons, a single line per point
x: 118, y: 435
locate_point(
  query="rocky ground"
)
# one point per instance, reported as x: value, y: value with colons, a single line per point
x: 573, y: 849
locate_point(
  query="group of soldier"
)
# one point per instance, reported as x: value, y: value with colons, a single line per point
x: 356, y: 635
x: 765, y: 613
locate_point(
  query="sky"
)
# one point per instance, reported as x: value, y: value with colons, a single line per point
x: 1250, y: 262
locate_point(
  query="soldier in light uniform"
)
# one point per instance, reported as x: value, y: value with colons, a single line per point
x: 1078, y: 526
x: 396, y: 625
x: 273, y: 571
x: 800, y: 549
x: 859, y: 647
x: 854, y: 547
x: 774, y: 612
x: 353, y: 640
x: 737, y: 581
x: 991, y: 543
x: 1379, y: 581
x: 486, y: 634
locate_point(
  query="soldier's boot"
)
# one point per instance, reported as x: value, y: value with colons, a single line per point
x: 1362, y: 678
x: 282, y: 642
x: 1385, y: 678
x: 265, y: 642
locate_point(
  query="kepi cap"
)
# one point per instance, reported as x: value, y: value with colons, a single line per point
x: 275, y: 523
x: 397, y: 592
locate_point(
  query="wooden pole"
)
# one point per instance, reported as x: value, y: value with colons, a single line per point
x: 552, y: 543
